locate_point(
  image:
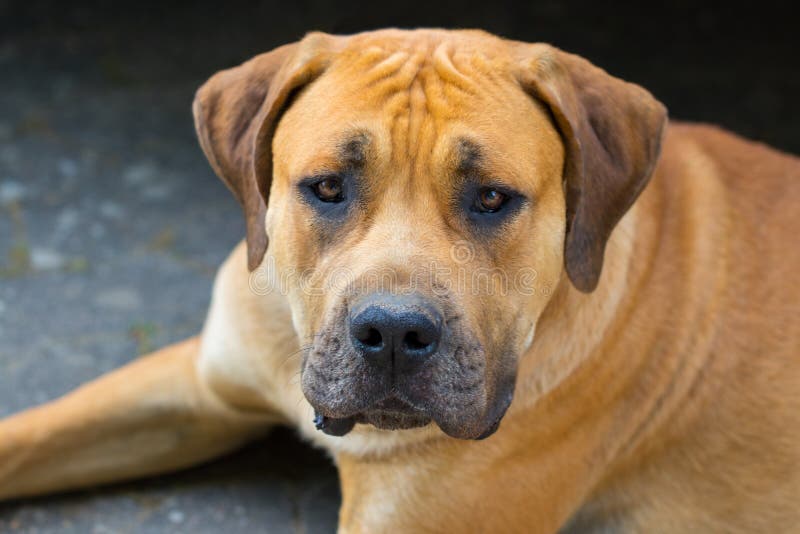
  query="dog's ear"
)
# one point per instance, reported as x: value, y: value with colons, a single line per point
x: 235, y: 114
x: 612, y: 135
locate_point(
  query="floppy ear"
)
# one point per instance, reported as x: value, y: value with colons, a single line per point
x: 235, y: 115
x: 612, y: 134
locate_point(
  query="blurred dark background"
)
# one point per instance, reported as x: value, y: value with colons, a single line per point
x: 112, y: 224
x: 731, y: 63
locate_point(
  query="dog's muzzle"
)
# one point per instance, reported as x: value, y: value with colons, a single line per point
x: 399, y: 362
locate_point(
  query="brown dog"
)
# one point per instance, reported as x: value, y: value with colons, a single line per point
x: 441, y: 208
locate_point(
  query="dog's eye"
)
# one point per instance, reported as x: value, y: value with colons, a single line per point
x: 329, y: 189
x: 490, y: 200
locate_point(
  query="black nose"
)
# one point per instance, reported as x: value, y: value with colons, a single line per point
x: 392, y: 330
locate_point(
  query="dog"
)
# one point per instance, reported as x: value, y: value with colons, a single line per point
x: 455, y: 221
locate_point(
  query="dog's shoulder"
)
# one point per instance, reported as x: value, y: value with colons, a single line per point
x: 250, y: 350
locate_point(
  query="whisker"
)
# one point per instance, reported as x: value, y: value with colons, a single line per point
x: 291, y: 355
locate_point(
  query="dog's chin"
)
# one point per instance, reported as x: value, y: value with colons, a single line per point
x: 393, y: 414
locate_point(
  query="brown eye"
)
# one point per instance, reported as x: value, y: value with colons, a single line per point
x: 328, y: 189
x: 490, y: 200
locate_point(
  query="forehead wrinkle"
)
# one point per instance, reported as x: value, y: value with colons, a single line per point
x: 386, y: 67
x: 447, y: 70
x: 401, y: 97
x: 394, y: 74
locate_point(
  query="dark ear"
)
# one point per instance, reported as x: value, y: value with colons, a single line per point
x: 612, y: 134
x: 235, y: 114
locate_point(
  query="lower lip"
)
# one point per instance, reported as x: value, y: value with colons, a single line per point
x: 392, y: 419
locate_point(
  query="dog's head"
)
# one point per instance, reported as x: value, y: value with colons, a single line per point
x: 427, y: 191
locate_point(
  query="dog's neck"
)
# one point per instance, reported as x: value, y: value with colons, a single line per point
x: 574, y: 324
x: 589, y: 378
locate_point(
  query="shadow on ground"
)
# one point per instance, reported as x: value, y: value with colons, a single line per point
x: 275, y: 485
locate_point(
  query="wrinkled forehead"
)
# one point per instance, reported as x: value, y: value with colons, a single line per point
x: 428, y: 101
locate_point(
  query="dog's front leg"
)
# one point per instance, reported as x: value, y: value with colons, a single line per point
x: 151, y: 416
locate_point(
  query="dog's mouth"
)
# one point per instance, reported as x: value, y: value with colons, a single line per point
x: 393, y: 414
x: 389, y: 414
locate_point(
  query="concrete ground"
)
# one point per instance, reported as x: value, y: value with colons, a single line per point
x: 112, y: 223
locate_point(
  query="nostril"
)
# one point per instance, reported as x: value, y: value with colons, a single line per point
x: 417, y: 342
x: 412, y: 341
x: 371, y: 338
